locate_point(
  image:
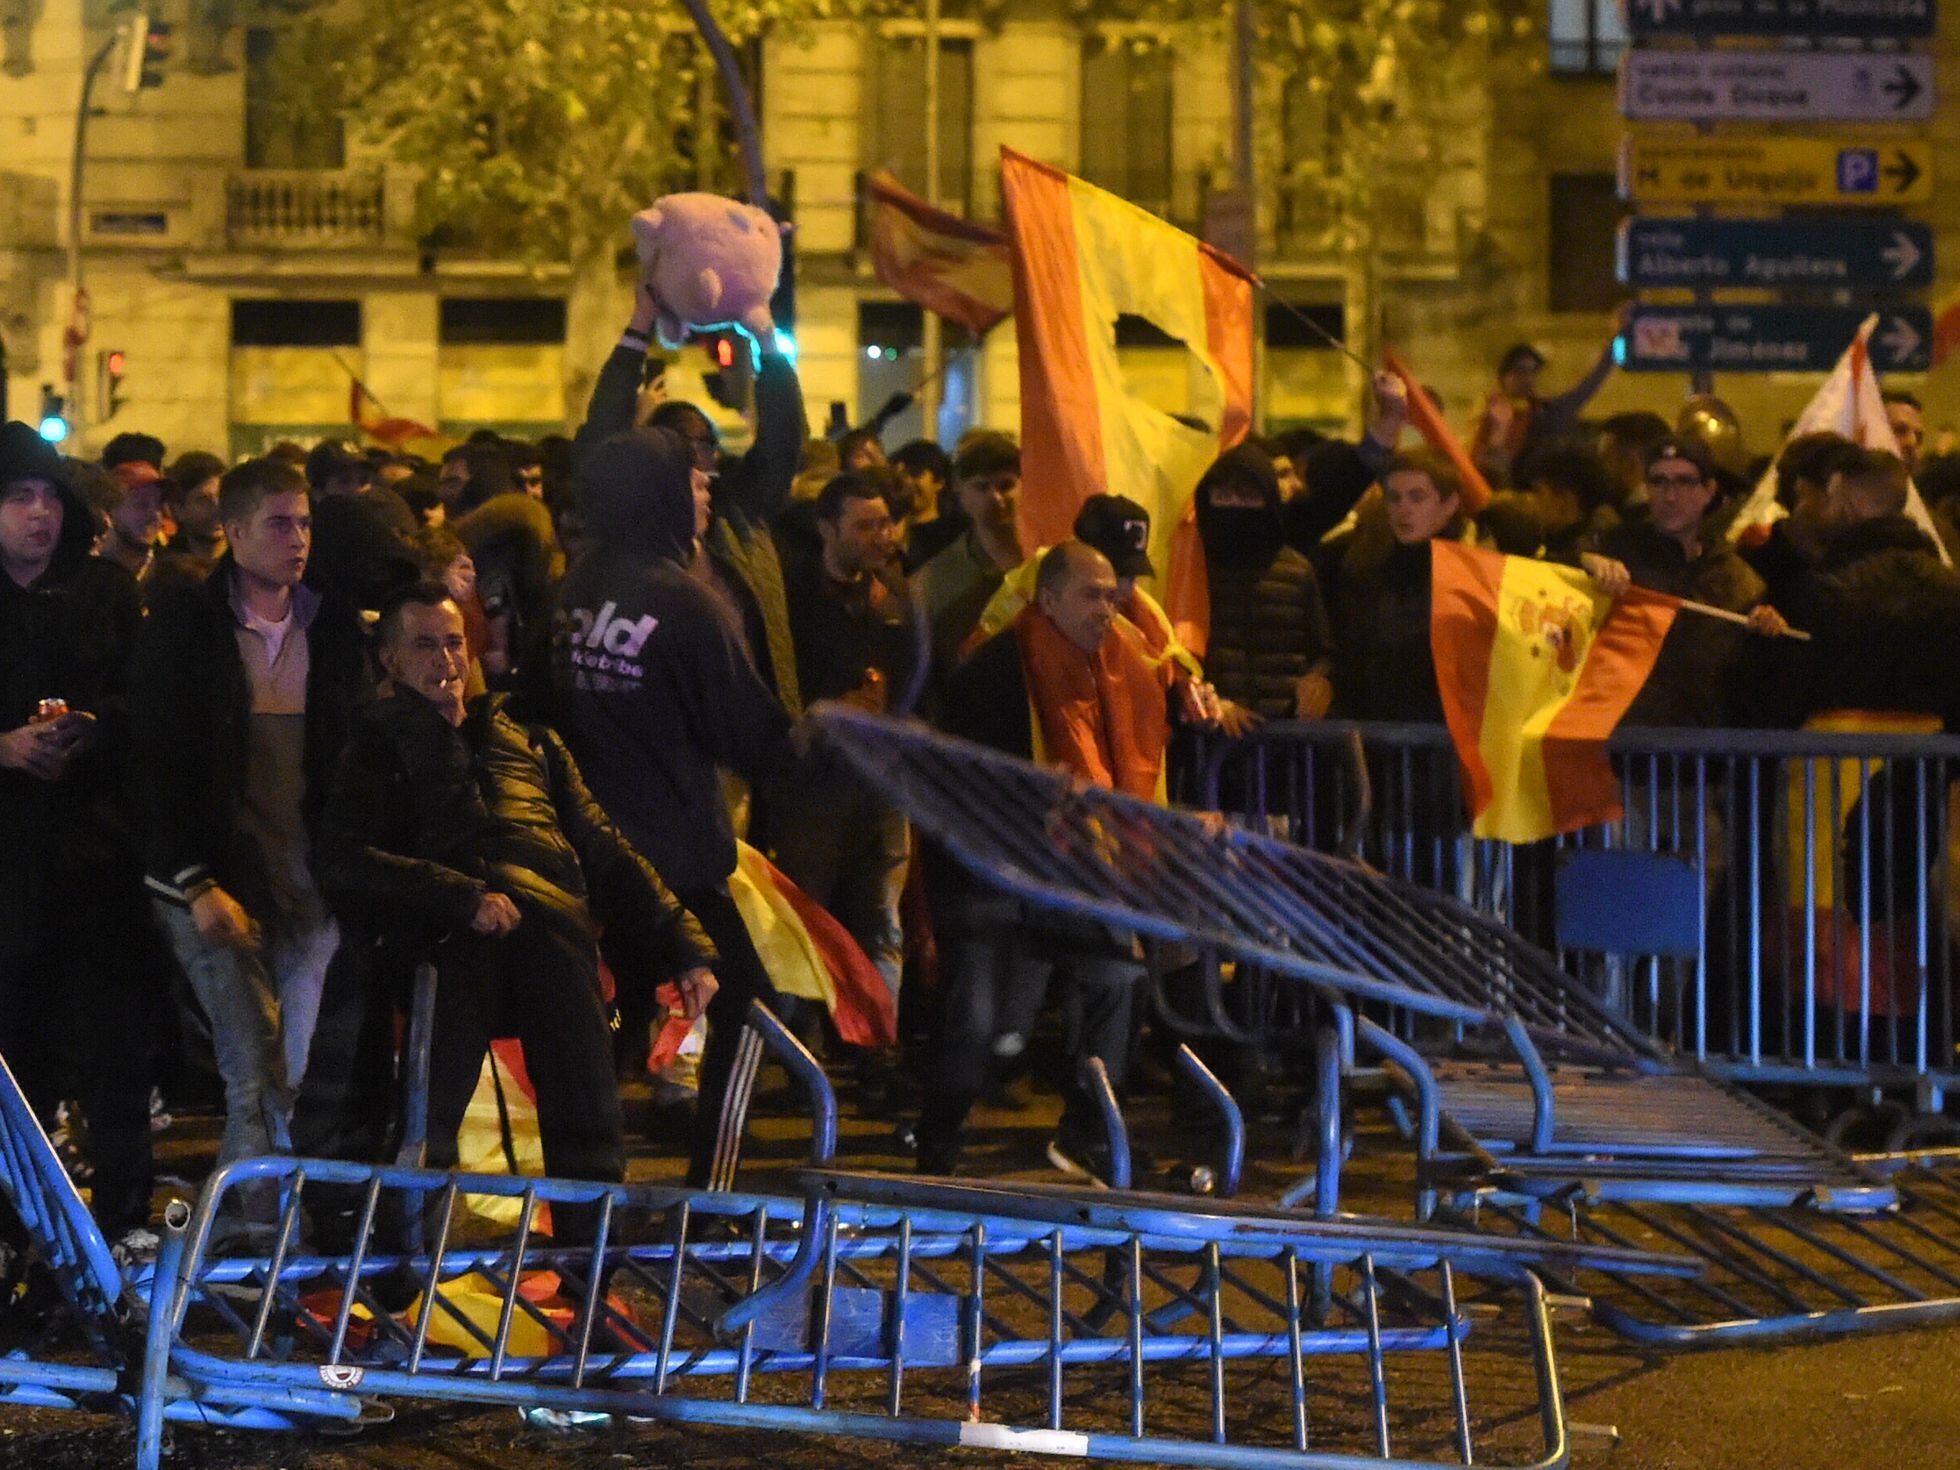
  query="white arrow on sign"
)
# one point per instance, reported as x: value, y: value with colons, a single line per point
x: 1900, y: 337
x: 1678, y: 85
x: 1902, y: 255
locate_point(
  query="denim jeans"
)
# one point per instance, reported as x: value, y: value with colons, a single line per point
x: 262, y: 1007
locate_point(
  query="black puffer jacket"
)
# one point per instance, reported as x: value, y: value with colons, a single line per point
x: 425, y: 818
x: 1268, y: 626
x: 1882, y: 609
x: 67, y: 636
x: 191, y: 709
x: 1709, y: 673
x: 1383, y: 666
x: 652, y: 685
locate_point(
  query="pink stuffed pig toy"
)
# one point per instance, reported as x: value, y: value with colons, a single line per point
x: 709, y: 261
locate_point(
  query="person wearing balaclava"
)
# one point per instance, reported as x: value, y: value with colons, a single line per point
x: 654, y: 690
x: 1270, y: 649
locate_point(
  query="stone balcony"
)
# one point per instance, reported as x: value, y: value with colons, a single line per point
x: 310, y: 209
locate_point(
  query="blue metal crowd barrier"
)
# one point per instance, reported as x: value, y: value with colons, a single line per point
x: 1811, y: 880
x: 1151, y: 1329
x: 1527, y: 1088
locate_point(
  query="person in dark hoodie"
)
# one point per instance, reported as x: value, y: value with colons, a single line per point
x: 654, y: 691
x: 1880, y: 605
x: 74, y: 946
x: 740, y: 552
x: 1270, y: 649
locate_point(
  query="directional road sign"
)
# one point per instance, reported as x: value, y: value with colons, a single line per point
x: 1776, y: 86
x: 1838, y: 254
x: 1776, y: 170
x: 1770, y: 339
x: 1862, y: 19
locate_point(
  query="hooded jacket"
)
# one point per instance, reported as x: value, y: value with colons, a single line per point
x: 1268, y: 625
x: 67, y: 636
x: 747, y: 499
x: 652, y: 685
x: 1881, y: 608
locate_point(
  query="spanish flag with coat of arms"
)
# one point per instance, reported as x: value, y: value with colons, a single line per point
x: 1536, y: 666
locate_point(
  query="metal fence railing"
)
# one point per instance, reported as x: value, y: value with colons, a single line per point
x: 1820, y: 911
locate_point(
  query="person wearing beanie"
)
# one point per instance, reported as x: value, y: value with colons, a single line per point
x: 654, y: 691
x: 1709, y: 672
x: 75, y: 936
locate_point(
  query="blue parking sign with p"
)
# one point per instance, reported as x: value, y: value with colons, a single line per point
x: 1857, y: 170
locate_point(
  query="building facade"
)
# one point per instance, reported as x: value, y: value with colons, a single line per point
x: 249, y: 265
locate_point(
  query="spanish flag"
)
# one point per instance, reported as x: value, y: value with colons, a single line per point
x: 946, y: 264
x: 1436, y: 433
x: 1536, y: 666
x: 1082, y: 258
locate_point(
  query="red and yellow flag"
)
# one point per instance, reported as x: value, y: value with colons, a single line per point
x: 1436, y: 433
x: 1536, y: 666
x: 946, y: 264
x: 1082, y: 258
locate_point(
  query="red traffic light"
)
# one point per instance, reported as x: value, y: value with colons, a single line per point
x: 114, y: 363
x: 724, y: 352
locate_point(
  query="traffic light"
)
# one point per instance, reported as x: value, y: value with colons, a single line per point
x: 111, y: 365
x: 731, y: 368
x: 54, y: 415
x: 782, y: 304
x: 146, y: 47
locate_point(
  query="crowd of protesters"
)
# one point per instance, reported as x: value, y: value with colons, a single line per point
x: 274, y: 734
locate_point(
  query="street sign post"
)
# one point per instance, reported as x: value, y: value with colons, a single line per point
x: 1719, y: 254
x: 1775, y: 86
x: 1864, y: 20
x: 1770, y: 339
x: 1854, y: 172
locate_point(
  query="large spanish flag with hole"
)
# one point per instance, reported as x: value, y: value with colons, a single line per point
x: 1536, y: 666
x: 1082, y: 258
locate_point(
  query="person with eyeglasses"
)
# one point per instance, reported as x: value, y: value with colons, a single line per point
x: 1709, y: 671
x: 738, y: 553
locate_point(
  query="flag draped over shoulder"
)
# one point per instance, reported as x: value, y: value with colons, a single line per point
x: 1536, y: 666
x: 1849, y: 404
x: 946, y: 264
x: 1436, y: 433
x: 1082, y: 258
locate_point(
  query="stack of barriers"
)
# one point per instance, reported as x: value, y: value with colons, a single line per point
x: 1818, y: 917
x: 1057, y: 1321
x: 1533, y: 1102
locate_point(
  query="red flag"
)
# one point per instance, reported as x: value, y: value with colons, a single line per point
x: 392, y: 432
x: 946, y: 264
x: 1429, y: 423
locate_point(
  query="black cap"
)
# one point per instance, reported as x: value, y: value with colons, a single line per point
x: 1120, y: 530
x: 25, y: 455
x: 1683, y: 446
x: 330, y: 459
x: 1517, y: 356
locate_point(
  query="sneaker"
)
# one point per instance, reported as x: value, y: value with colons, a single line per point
x: 160, y: 1118
x: 1089, y: 1159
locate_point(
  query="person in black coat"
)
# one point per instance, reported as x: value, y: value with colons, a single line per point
x: 654, y: 690
x: 74, y: 934
x: 451, y: 826
x: 241, y: 692
x: 1270, y: 649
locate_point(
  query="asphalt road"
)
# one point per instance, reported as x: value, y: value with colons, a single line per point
x: 1877, y: 1401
